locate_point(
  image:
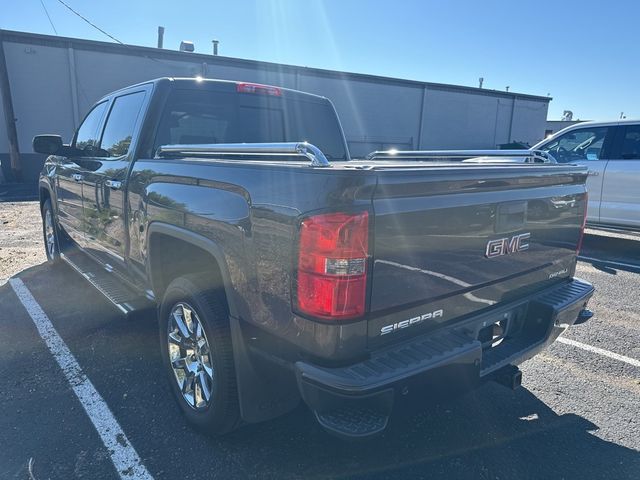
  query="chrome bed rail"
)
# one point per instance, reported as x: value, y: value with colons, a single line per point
x: 469, y: 156
x: 304, y: 149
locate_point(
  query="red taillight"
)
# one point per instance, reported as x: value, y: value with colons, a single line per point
x: 584, y: 222
x: 257, y: 88
x: 332, y: 265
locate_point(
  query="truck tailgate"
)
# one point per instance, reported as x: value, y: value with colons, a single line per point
x: 450, y: 241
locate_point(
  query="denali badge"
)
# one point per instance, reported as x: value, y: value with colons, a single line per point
x: 505, y: 246
x: 558, y: 273
x: 410, y: 322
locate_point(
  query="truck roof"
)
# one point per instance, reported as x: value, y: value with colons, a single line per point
x: 591, y: 123
x: 191, y: 81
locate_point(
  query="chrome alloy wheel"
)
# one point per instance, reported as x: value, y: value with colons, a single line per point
x: 49, y: 233
x: 190, y: 356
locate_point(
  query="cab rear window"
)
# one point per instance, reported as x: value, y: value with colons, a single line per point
x: 202, y: 117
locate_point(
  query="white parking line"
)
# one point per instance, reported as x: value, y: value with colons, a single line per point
x: 601, y: 351
x: 609, y: 262
x: 123, y: 455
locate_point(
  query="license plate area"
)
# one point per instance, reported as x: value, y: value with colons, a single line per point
x: 494, y: 334
x: 500, y: 329
x: 509, y: 334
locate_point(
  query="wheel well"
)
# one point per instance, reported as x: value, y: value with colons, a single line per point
x: 44, y: 195
x: 171, y: 258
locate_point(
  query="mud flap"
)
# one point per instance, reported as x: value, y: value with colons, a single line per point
x: 265, y: 390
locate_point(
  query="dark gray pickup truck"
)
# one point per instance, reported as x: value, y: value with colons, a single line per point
x: 282, y: 269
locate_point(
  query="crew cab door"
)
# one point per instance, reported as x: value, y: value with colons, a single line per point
x: 70, y: 174
x: 621, y: 184
x: 104, y: 191
x: 588, y: 146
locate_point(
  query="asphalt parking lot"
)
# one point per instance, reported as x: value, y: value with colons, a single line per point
x: 576, y: 417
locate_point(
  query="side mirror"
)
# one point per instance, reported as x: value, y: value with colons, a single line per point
x: 47, y: 144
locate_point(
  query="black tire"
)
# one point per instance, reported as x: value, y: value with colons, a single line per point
x: 50, y: 233
x: 222, y: 414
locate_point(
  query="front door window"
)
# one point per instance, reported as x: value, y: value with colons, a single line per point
x: 578, y: 146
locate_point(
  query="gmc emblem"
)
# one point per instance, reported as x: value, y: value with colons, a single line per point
x: 506, y: 246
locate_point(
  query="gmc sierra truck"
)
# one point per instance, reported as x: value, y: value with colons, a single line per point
x: 281, y: 269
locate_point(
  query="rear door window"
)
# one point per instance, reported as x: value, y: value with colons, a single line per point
x: 121, y: 122
x: 630, y: 145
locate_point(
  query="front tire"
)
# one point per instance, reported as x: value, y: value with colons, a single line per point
x: 195, y: 342
x: 50, y: 233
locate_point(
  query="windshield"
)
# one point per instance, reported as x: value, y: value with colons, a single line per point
x: 203, y: 117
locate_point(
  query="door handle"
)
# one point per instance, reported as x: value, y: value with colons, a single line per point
x: 593, y: 173
x: 113, y: 184
x: 77, y: 177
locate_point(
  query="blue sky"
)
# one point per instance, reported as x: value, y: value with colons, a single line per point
x: 583, y: 53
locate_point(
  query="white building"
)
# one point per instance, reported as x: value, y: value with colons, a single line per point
x: 54, y: 80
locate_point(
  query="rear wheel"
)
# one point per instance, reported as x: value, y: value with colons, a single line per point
x: 50, y: 233
x: 197, y: 353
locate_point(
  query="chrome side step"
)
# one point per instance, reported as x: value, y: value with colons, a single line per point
x: 121, y: 295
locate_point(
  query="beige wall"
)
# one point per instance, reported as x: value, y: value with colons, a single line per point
x: 54, y: 82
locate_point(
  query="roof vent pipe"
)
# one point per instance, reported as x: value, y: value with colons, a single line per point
x: 215, y: 46
x: 160, y: 36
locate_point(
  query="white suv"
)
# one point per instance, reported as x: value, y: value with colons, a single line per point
x: 611, y: 150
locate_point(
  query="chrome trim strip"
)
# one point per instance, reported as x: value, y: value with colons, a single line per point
x: 536, y: 156
x: 313, y: 153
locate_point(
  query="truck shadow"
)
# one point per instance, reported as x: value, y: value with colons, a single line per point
x: 489, y: 433
x: 598, y: 249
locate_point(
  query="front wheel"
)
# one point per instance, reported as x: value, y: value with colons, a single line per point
x: 195, y: 340
x: 50, y: 233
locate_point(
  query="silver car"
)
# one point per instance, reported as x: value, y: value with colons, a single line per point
x: 611, y: 150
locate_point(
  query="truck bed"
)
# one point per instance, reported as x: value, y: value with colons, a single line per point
x: 434, y: 225
x: 431, y: 223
